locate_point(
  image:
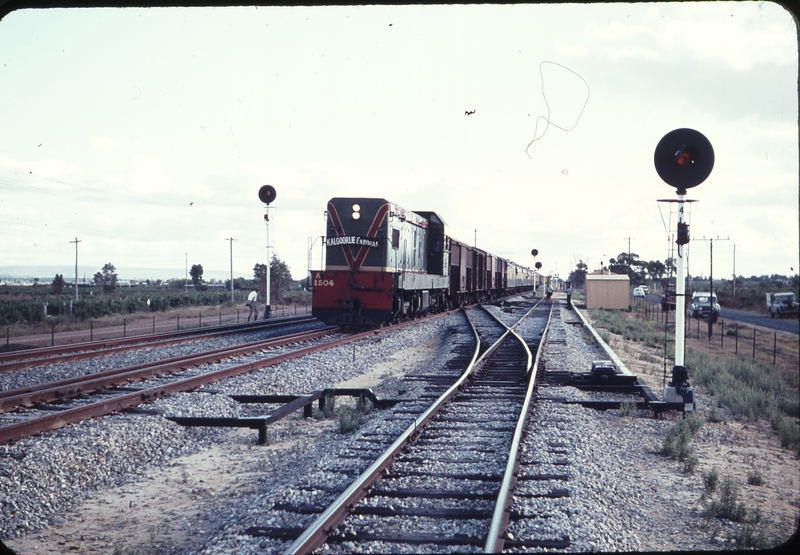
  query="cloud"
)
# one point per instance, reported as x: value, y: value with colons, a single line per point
x: 754, y: 35
x: 106, y: 144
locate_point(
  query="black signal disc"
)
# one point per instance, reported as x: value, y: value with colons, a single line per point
x: 267, y: 194
x: 684, y: 158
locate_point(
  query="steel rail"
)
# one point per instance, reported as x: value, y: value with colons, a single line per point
x: 19, y: 360
x: 500, y: 516
x: 20, y: 430
x: 315, y: 534
x: 89, y: 383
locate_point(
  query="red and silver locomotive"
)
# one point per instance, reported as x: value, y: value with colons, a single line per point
x: 384, y: 262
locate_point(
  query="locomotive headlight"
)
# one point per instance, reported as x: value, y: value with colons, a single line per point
x: 356, y: 212
x: 356, y: 215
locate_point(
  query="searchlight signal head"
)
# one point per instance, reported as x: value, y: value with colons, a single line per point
x: 684, y: 158
x: 266, y: 194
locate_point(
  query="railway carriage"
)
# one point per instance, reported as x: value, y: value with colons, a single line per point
x: 384, y: 262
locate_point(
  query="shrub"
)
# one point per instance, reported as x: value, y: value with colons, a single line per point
x: 678, y: 441
x: 716, y: 416
x: 627, y: 408
x: 749, y: 389
x: 348, y: 420
x: 364, y: 405
x: 754, y: 478
x: 789, y: 433
x: 727, y: 506
x: 710, y: 479
x: 690, y: 462
x: 328, y: 405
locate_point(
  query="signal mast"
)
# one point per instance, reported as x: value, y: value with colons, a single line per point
x: 683, y: 158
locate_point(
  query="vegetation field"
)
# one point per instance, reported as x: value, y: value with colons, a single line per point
x: 750, y: 387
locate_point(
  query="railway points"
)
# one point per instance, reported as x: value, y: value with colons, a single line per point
x: 565, y: 448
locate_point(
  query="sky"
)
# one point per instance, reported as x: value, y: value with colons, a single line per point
x: 146, y: 133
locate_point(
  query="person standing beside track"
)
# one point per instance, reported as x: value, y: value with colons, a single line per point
x: 549, y: 292
x: 569, y: 294
x: 252, y: 303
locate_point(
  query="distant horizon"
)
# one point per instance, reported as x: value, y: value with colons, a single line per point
x: 123, y: 273
x: 127, y: 273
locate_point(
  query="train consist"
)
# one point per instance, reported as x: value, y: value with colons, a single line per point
x: 384, y: 263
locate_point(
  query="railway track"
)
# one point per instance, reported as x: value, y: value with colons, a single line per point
x: 56, y: 404
x: 31, y: 358
x: 445, y: 482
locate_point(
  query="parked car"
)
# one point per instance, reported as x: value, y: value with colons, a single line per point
x: 639, y: 292
x: 782, y: 304
x: 704, y: 305
x: 668, y: 300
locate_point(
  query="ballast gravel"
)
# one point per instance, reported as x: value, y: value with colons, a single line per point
x: 611, y: 461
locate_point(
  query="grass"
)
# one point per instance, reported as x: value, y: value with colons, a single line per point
x: 349, y: 418
x: 749, y: 388
x: 628, y: 328
x: 677, y: 443
x: 627, y: 408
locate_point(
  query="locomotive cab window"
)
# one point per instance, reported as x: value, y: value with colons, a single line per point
x: 395, y: 238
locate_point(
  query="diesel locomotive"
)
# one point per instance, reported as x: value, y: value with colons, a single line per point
x: 384, y: 263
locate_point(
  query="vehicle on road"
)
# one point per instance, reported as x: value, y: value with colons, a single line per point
x: 639, y: 292
x: 704, y: 305
x: 668, y: 300
x: 782, y: 304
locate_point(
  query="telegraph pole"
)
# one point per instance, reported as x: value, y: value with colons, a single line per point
x: 231, y: 239
x: 734, y: 272
x: 76, y: 241
x: 711, y: 278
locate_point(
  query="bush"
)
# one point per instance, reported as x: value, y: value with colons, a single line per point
x: 754, y: 478
x: 95, y: 306
x: 749, y: 389
x: 328, y: 406
x: 727, y: 506
x: 710, y: 480
x: 627, y: 408
x: 789, y: 433
x: 716, y: 416
x: 678, y: 441
x: 348, y: 420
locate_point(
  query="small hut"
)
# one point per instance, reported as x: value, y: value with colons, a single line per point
x: 608, y: 291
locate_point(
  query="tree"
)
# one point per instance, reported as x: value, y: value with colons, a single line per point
x: 260, y: 274
x: 655, y: 269
x: 107, y: 278
x: 58, y: 284
x: 578, y: 275
x: 280, y: 278
x: 628, y: 264
x: 197, y: 276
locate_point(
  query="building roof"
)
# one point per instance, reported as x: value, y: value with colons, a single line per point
x: 607, y: 277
